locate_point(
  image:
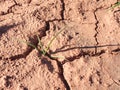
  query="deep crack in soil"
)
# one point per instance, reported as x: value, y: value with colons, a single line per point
x: 10, y: 8
x: 61, y: 74
x: 97, y: 22
x: 63, y: 9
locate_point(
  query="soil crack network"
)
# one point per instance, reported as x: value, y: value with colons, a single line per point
x: 97, y: 22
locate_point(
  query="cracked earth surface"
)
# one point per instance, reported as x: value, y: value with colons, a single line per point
x: 88, y: 48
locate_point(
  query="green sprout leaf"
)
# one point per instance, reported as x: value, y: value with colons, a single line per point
x: 47, y: 48
x: 115, y: 5
x: 41, y: 46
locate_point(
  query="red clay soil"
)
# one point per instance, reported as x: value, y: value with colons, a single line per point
x: 88, y: 49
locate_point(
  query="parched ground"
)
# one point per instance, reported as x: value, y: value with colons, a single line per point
x: 88, y: 49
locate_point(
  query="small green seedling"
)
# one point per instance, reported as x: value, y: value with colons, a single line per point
x: 41, y: 49
x: 115, y: 5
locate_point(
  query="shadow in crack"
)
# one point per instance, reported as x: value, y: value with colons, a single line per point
x: 48, y: 64
x: 33, y: 41
x: 85, y: 47
x: 5, y: 28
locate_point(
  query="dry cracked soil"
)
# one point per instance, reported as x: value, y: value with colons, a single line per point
x: 88, y: 49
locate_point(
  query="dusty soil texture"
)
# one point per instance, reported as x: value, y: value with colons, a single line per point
x: 87, y: 50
